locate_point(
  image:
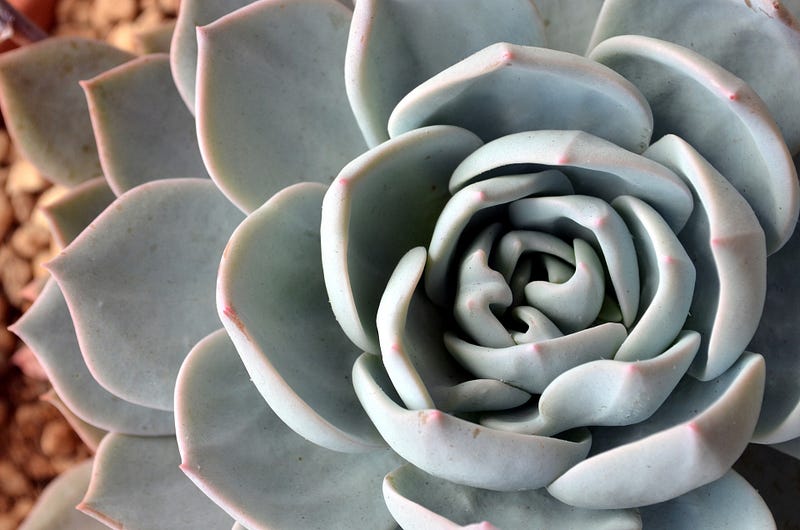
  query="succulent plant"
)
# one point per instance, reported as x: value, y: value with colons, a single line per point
x: 448, y: 270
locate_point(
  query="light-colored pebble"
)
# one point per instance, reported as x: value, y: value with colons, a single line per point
x: 6, y: 216
x: 57, y: 439
x: 106, y: 13
x: 12, y: 481
x: 15, y: 274
x: 29, y: 240
x: 5, y: 145
x: 8, y: 342
x: 169, y: 7
x: 23, y: 204
x: 24, y: 177
x: 123, y: 36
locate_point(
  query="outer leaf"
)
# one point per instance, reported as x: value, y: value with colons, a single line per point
x: 505, y: 89
x: 55, y: 507
x: 395, y: 45
x: 271, y: 298
x: 183, y: 50
x: 39, y: 88
x: 381, y: 205
x: 146, y: 272
x: 257, y: 469
x: 88, y: 433
x: 419, y: 501
x: 73, y: 212
x: 701, y: 99
x: 271, y: 103
x: 756, y: 40
x: 143, y: 131
x: 729, y: 502
x: 47, y: 328
x: 137, y: 484
x: 693, y: 439
x: 459, y: 450
x: 568, y: 24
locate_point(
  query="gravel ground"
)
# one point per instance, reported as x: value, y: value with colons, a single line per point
x: 36, y: 443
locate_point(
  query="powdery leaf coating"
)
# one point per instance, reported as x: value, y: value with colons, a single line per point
x: 258, y: 469
x: 275, y: 129
x: 39, y: 88
x: 394, y: 45
x: 135, y: 109
x: 55, y: 507
x: 159, y: 242
x: 270, y: 273
x: 137, y: 485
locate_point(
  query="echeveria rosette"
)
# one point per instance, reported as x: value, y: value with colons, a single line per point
x: 644, y: 232
x: 546, y: 298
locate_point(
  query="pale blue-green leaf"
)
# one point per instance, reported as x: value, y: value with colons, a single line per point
x: 575, y: 303
x: 183, y: 49
x: 514, y: 244
x: 156, y: 39
x: 595, y: 221
x: 506, y: 89
x: 419, y: 501
x: 726, y: 244
x: 271, y: 298
x: 137, y: 484
x: 271, y: 104
x: 538, y: 326
x: 793, y: 6
x: 142, y: 129
x: 791, y: 447
x: 139, y: 284
x: 568, y: 24
x: 756, y: 40
x: 395, y: 45
x: 603, y: 392
x: 751, y: 154
x: 727, y: 503
x: 48, y: 330
x: 459, y: 450
x: 382, y: 204
x: 778, y: 339
x: 480, y: 290
x: 55, y: 508
x: 608, y: 392
x: 693, y: 439
x: 422, y: 372
x: 667, y: 279
x: 70, y: 214
x: 533, y: 366
x: 594, y: 167
x: 257, y: 469
x: 39, y: 89
x: 465, y: 204
x: 88, y: 433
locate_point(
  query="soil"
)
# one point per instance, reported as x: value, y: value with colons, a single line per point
x: 36, y: 443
